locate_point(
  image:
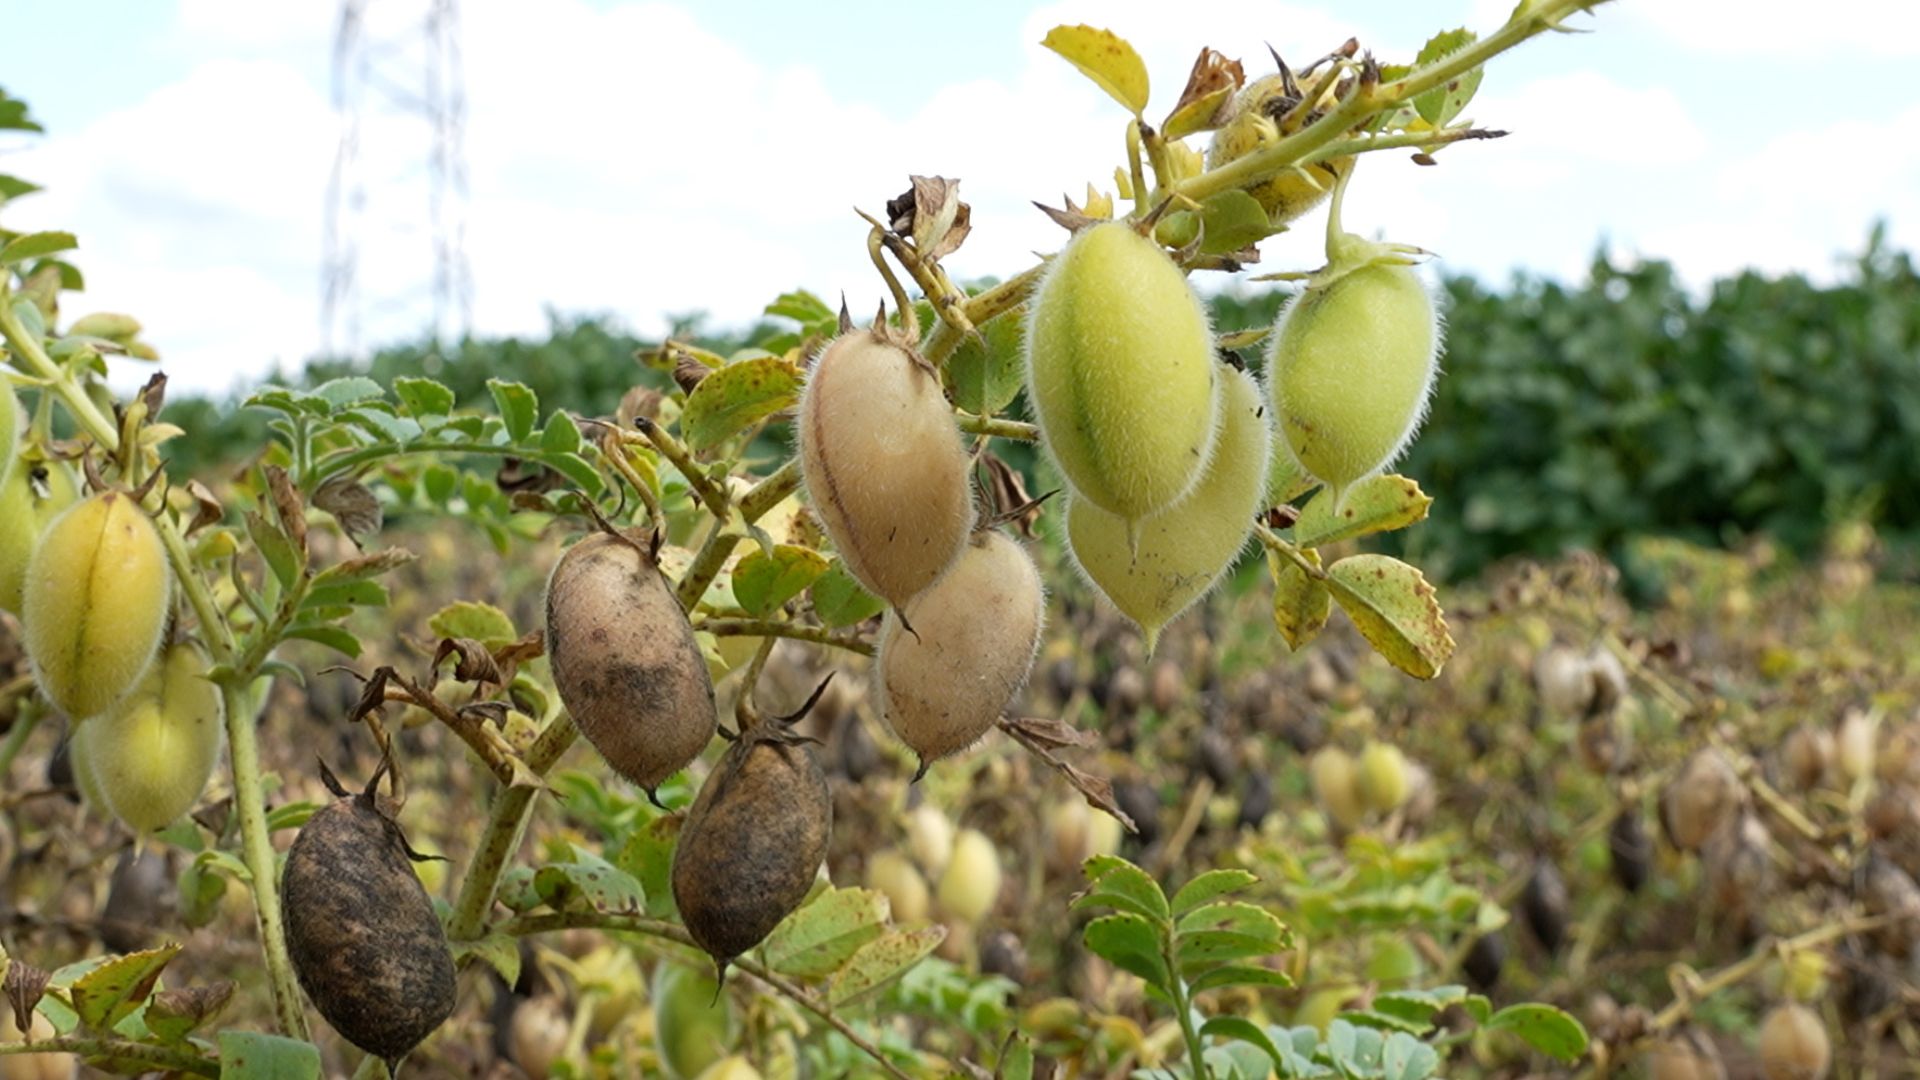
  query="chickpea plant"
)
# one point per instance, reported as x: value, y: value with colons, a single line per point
x: 695, y: 559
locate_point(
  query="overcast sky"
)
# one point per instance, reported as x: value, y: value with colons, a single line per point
x: 648, y: 159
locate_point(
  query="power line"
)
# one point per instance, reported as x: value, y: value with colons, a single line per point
x: 399, y: 174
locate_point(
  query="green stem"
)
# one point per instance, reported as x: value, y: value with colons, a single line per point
x: 754, y: 505
x: 256, y: 843
x: 159, y: 1057
x: 765, y: 495
x: 543, y: 924
x: 670, y: 448
x: 506, y: 824
x: 706, y: 565
x: 979, y: 308
x: 819, y: 635
x: 27, y: 347
x: 24, y: 722
x: 1005, y: 429
x: 1183, y: 1004
x: 1293, y: 554
x: 1424, y: 140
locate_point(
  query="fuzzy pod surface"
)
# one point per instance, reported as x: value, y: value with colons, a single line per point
x: 97, y: 595
x: 1120, y: 372
x: 364, y: 938
x: 944, y: 683
x: 9, y: 428
x: 625, y: 660
x: 1351, y: 364
x: 32, y: 494
x: 752, y: 842
x: 1156, y: 570
x: 884, y: 465
x: 148, y: 758
x: 1794, y: 1045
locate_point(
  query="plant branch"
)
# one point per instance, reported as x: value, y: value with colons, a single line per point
x: 670, y: 448
x: 506, y: 823
x: 1689, y: 987
x: 1272, y: 541
x: 819, y: 635
x: 256, y: 847
x: 24, y: 723
x: 713, y: 554
x: 981, y: 307
x: 159, y: 1057
x: 571, y: 920
x: 993, y: 425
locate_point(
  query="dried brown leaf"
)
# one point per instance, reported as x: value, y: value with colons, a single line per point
x: 288, y: 506
x: 154, y: 394
x: 517, y: 475
x: 206, y: 507
x: 353, y: 505
x: 476, y: 664
x: 24, y: 987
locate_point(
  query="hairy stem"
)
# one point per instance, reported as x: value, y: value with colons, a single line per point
x: 157, y: 1057
x: 981, y: 307
x: 993, y: 425
x: 670, y: 448
x: 256, y: 845
x: 1290, y: 552
x: 754, y: 505
x: 506, y: 823
x: 819, y: 635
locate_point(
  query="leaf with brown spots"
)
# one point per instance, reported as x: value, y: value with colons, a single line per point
x: 589, y: 881
x: 738, y: 396
x: 1376, y: 504
x: 174, y: 1014
x: 116, y: 989
x: 1395, y: 610
x: 1107, y: 59
x: 882, y: 960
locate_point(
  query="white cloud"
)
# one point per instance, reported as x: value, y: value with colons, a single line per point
x: 1787, y: 29
x: 1802, y: 201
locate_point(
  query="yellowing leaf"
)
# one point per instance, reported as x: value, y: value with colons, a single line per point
x: 737, y: 396
x: 882, y: 960
x: 1395, y: 610
x: 814, y: 941
x: 1376, y: 504
x: 1107, y: 59
x: 1300, y: 604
